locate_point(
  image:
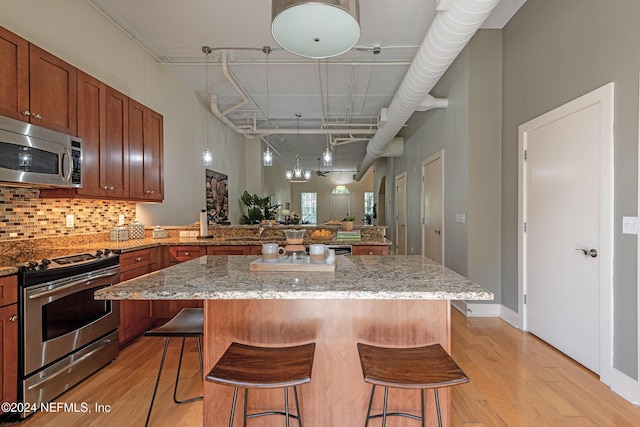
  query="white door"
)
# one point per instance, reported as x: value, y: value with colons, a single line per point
x: 432, y: 208
x: 401, y: 214
x: 340, y: 206
x: 565, y: 234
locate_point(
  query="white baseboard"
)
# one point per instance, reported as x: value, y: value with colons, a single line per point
x: 470, y: 309
x: 510, y: 316
x: 625, y: 386
x: 461, y: 306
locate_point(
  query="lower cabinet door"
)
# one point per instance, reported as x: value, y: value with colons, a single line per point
x: 135, y: 318
x: 9, y: 353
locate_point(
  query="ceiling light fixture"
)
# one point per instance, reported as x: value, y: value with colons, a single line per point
x: 207, y: 156
x: 267, y: 156
x: 316, y: 29
x: 327, y: 156
x: 298, y: 174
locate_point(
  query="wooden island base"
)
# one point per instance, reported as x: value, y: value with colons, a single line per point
x: 337, y: 395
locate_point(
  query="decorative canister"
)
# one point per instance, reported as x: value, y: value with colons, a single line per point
x: 159, y: 233
x: 137, y: 230
x: 119, y: 234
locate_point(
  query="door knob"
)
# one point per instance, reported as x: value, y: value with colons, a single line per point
x: 592, y: 252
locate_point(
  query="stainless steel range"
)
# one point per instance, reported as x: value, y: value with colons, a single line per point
x: 65, y: 334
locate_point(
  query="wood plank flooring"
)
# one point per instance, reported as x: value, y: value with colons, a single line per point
x: 516, y: 380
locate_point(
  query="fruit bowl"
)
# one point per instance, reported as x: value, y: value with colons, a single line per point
x: 294, y: 237
x: 322, y: 235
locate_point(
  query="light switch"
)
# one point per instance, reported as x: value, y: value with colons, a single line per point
x: 460, y: 217
x: 69, y: 221
x: 629, y: 225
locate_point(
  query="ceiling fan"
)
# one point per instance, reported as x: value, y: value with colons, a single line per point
x: 320, y: 172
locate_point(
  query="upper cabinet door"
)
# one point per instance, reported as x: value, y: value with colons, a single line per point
x: 145, y: 153
x: 52, y: 92
x: 92, y: 106
x: 116, y: 151
x: 14, y: 76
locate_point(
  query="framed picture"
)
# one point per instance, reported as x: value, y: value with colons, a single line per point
x: 217, y: 197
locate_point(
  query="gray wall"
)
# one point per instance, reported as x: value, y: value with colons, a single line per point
x: 469, y: 132
x: 425, y: 134
x: 485, y: 146
x: 553, y: 52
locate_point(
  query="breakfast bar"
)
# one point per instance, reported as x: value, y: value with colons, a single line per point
x: 393, y: 301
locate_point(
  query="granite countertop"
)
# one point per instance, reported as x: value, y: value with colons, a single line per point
x: 11, y: 260
x: 357, y: 277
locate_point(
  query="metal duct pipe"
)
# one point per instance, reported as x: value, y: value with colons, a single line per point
x: 449, y: 33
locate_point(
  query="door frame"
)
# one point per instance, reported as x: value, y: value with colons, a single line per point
x: 395, y: 203
x: 604, y: 96
x: 430, y: 159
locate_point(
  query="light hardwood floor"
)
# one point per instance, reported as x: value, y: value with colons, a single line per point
x: 516, y: 380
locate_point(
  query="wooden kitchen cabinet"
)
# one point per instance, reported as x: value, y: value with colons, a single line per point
x: 145, y: 153
x: 52, y: 92
x: 370, y: 250
x: 229, y: 250
x: 8, y: 339
x: 136, y: 316
x: 177, y: 254
x: 174, y: 255
x: 35, y: 86
x: 14, y: 75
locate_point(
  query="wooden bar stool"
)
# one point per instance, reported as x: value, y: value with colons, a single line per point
x: 410, y: 368
x: 246, y: 366
x: 189, y: 323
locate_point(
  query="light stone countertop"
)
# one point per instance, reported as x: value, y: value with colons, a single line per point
x: 357, y: 277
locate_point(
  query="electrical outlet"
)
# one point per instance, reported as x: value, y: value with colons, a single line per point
x: 121, y: 219
x: 460, y: 217
x: 69, y: 221
x: 629, y: 225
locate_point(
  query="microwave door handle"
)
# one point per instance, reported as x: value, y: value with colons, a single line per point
x: 66, y: 153
x: 87, y: 281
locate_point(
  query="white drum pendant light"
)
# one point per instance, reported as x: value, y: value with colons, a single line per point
x: 316, y: 29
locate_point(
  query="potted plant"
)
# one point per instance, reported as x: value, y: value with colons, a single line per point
x: 258, y: 208
x: 347, y: 223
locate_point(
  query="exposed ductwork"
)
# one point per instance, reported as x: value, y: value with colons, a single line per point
x: 449, y: 33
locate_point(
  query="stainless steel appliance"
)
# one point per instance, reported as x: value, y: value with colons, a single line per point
x: 65, y: 334
x: 31, y: 155
x: 341, y: 249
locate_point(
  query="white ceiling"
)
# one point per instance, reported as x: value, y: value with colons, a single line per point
x: 360, y: 83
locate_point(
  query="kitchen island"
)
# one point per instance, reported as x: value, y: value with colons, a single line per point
x: 382, y: 300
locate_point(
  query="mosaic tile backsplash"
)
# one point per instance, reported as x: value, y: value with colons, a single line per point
x: 23, y: 215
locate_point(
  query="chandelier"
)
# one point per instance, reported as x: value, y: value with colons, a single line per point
x: 298, y: 174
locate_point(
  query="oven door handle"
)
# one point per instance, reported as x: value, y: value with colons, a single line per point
x: 70, y: 365
x: 86, y: 281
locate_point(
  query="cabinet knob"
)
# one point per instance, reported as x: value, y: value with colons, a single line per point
x: 38, y: 116
x: 111, y: 187
x: 26, y: 113
x: 370, y: 253
x: 152, y: 191
x: 106, y: 187
x: 187, y: 254
x: 13, y: 318
x: 139, y: 258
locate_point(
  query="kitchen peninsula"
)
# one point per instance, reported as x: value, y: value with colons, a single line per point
x: 384, y: 300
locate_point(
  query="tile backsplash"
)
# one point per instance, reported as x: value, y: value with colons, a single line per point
x: 23, y: 215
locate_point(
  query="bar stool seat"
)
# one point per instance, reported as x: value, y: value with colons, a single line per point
x: 408, y: 368
x: 188, y: 323
x: 246, y: 366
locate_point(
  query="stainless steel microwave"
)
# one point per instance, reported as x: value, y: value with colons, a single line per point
x: 33, y: 156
